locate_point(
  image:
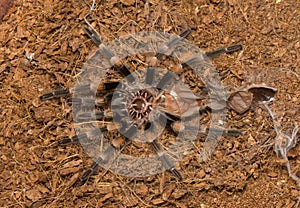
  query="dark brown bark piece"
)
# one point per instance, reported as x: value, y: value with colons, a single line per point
x: 5, y: 5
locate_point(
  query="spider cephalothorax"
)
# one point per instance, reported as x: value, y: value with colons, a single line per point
x: 139, y: 106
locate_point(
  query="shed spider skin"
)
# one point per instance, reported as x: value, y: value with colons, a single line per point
x: 136, y: 109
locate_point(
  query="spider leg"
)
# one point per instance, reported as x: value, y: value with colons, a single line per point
x: 109, y: 55
x: 79, y: 138
x: 165, y: 160
x: 93, y: 35
x: 54, y: 94
x: 157, y: 148
x: 91, y: 116
x: 90, y: 103
x: 178, y: 127
x: 199, y: 60
x: 228, y: 132
x: 196, y: 60
x: 227, y: 49
x: 172, y: 42
x: 165, y: 80
x: 168, y: 46
x: 81, y: 89
x: 114, y: 60
x: 68, y: 141
x: 102, y: 159
x: 149, y: 75
x: 88, y: 88
x: 168, y: 77
x: 107, y: 154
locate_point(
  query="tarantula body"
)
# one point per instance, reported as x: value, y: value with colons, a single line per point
x: 141, y: 105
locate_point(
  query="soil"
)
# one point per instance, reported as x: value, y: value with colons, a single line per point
x: 43, y: 47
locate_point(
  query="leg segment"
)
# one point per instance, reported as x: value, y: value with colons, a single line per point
x: 165, y: 160
x: 168, y: 46
x: 54, y: 94
x: 228, y: 49
x: 172, y: 42
x: 103, y: 158
x: 113, y: 59
x: 83, y: 89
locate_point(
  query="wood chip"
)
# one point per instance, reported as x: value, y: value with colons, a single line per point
x: 105, y: 188
x: 167, y: 192
x: 67, y: 171
x: 72, y: 163
x: 201, y: 174
x: 141, y: 189
x: 128, y: 2
x: 157, y: 201
x: 272, y: 174
x: 178, y: 193
x: 33, y: 195
x: 105, y: 197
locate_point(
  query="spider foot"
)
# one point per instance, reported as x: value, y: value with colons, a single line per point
x: 54, y: 94
x: 227, y: 49
x: 167, y: 164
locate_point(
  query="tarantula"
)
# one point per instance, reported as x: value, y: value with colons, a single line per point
x: 141, y: 105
